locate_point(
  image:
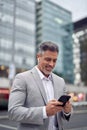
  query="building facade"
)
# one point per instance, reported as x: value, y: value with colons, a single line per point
x: 80, y: 44
x: 26, y: 23
x: 17, y: 33
x: 55, y: 23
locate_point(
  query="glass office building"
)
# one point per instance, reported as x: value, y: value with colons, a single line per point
x: 26, y: 23
x: 55, y: 23
x: 17, y: 33
x: 80, y: 38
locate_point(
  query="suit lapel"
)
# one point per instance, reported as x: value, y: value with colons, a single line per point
x: 39, y: 84
x: 55, y: 85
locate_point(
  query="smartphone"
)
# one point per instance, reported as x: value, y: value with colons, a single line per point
x: 64, y: 99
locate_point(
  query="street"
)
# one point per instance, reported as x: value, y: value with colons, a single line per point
x: 78, y: 121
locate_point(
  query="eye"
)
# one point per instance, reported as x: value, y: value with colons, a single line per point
x: 48, y: 59
x: 54, y: 60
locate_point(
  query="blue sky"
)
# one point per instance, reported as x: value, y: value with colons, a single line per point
x: 77, y: 7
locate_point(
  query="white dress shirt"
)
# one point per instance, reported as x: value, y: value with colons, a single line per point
x: 48, y: 86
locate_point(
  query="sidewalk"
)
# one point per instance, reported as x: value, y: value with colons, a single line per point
x: 82, y: 128
x: 81, y: 108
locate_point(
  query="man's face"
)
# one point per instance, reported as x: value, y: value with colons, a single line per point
x: 47, y: 61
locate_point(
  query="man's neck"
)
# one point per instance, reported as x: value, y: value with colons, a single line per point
x: 46, y: 75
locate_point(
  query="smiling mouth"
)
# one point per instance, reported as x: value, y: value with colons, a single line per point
x: 49, y: 68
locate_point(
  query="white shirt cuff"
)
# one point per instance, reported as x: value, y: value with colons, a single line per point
x: 67, y: 114
x: 44, y: 113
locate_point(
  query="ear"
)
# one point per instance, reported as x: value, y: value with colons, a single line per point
x: 37, y: 56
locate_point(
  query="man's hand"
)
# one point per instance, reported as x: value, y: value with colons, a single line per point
x: 68, y: 107
x: 53, y: 107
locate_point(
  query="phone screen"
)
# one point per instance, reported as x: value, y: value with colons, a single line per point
x: 64, y: 99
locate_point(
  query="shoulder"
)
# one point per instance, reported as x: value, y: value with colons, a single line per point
x: 59, y: 81
x: 22, y: 74
x: 21, y: 78
x: 26, y: 75
x: 58, y: 78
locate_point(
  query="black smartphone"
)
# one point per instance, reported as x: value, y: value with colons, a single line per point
x: 64, y: 99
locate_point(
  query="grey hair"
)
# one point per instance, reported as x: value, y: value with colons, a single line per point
x: 48, y: 45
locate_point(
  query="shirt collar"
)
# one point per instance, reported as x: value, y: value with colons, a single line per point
x: 42, y: 76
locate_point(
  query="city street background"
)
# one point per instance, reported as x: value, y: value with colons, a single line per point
x: 78, y: 121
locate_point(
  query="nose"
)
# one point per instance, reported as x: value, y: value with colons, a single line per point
x: 51, y: 63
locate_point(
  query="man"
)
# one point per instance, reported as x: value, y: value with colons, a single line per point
x: 33, y: 100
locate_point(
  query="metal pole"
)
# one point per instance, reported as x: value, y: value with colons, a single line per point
x: 1, y: 16
x: 12, y: 69
x: 14, y: 30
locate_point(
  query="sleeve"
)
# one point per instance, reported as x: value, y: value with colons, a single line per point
x: 44, y: 113
x: 64, y: 115
x: 16, y: 109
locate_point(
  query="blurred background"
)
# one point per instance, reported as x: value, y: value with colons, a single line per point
x: 26, y: 23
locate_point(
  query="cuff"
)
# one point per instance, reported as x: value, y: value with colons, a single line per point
x: 44, y: 113
x: 67, y: 114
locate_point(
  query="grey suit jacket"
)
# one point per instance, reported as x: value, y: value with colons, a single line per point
x: 27, y: 98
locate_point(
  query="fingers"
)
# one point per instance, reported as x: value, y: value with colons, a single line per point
x: 55, y: 102
x: 53, y: 107
x: 68, y: 107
